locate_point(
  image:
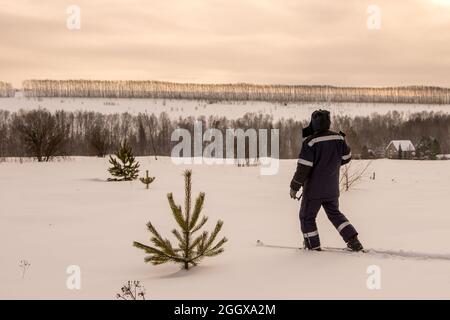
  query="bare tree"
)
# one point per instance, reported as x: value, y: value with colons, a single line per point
x: 99, y: 138
x: 4, y: 126
x: 152, y: 125
x: 351, y: 175
x: 42, y: 133
x: 6, y: 90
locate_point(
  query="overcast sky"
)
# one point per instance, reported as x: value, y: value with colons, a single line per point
x: 259, y: 41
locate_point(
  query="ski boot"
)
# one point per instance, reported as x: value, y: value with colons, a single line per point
x: 354, y: 245
x: 306, y: 246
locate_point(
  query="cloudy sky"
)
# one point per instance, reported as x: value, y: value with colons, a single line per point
x: 259, y: 41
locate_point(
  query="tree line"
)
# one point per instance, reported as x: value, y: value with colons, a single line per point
x: 6, y: 90
x: 233, y: 92
x: 43, y: 135
x: 373, y: 133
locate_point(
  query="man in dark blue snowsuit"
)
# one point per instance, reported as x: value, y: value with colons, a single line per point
x: 322, y: 154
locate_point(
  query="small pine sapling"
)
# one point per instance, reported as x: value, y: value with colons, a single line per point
x: 147, y: 180
x: 190, y: 249
x: 124, y: 165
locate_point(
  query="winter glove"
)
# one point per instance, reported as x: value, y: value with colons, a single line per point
x: 293, y: 194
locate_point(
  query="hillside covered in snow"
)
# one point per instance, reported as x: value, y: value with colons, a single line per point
x: 176, y: 108
x: 64, y: 213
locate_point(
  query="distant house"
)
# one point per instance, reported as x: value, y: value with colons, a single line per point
x: 400, y: 149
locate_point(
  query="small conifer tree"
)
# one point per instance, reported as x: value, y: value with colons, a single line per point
x: 147, y: 180
x: 190, y: 249
x: 124, y: 165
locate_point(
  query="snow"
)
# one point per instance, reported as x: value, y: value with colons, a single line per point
x: 232, y: 110
x: 443, y: 156
x: 370, y: 251
x: 406, y: 145
x: 64, y: 213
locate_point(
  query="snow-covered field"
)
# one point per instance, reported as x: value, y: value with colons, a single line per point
x: 234, y: 109
x: 64, y: 213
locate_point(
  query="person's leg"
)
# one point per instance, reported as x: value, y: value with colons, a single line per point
x: 308, y: 213
x: 337, y: 218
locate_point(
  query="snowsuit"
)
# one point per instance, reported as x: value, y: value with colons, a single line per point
x: 318, y: 167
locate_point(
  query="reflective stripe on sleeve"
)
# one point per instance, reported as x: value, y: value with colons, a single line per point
x: 305, y: 162
x: 347, y: 156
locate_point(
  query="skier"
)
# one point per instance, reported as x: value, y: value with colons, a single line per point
x: 322, y: 154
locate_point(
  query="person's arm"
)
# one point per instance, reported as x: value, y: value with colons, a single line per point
x: 346, y: 154
x: 305, y: 164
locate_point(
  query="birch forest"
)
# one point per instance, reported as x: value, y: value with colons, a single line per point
x: 234, y: 92
x: 6, y: 90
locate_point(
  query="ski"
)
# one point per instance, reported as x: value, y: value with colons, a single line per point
x: 376, y: 252
x: 328, y: 249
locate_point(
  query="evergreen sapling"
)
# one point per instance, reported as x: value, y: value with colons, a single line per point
x: 124, y: 165
x: 190, y: 249
x: 147, y: 180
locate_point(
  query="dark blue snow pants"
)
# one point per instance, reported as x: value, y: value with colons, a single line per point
x: 308, y: 213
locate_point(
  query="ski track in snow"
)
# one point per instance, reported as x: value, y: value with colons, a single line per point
x: 382, y: 253
x: 409, y: 254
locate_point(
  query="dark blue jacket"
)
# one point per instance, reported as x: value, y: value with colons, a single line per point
x: 319, y: 164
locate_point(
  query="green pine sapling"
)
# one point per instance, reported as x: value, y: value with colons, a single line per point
x: 190, y: 249
x: 147, y: 180
x: 124, y: 165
